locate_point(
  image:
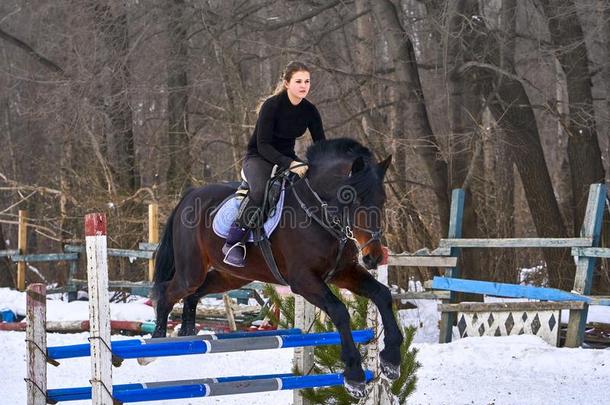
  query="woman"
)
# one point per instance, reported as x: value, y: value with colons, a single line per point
x: 282, y: 119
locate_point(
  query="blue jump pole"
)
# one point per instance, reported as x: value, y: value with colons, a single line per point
x: 505, y: 290
x: 84, y: 349
x: 205, y: 387
x: 135, y: 348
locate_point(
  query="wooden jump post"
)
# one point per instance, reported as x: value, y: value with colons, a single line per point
x: 99, y: 308
x: 304, y: 316
x: 153, y: 235
x: 22, y: 245
x: 36, y: 354
x: 455, y: 231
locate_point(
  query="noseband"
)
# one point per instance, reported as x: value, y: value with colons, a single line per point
x: 375, y: 236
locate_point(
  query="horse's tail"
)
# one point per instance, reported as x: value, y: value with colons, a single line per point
x: 164, y: 258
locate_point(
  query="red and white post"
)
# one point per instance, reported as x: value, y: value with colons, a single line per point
x: 36, y: 353
x: 99, y: 308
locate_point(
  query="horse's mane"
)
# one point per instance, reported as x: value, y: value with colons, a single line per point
x: 345, y: 148
x: 366, y: 182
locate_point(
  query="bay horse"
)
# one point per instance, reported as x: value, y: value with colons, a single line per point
x: 329, y: 216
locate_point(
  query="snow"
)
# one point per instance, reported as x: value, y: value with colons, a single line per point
x: 510, y: 370
x: 487, y: 370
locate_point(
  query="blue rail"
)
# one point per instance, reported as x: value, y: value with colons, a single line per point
x: 84, y: 349
x: 510, y: 290
x: 205, y: 387
x: 136, y: 348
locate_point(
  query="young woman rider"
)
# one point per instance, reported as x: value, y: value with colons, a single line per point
x: 283, y: 117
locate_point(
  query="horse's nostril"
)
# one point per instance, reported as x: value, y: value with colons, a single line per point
x: 370, y: 262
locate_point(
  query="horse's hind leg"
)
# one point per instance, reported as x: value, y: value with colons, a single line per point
x: 189, y: 274
x: 168, y: 295
x: 314, y: 290
x: 215, y: 282
x: 361, y: 282
x: 189, y: 312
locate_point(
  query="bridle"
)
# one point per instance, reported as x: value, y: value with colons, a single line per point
x: 339, y: 227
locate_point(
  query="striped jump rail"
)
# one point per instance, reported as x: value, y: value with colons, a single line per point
x: 154, y: 391
x: 161, y: 347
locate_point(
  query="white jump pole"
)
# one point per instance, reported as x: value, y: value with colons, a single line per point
x: 99, y: 309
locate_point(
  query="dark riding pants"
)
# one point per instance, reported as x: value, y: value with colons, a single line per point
x: 257, y: 171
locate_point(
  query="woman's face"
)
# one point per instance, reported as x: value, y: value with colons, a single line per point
x: 298, y: 86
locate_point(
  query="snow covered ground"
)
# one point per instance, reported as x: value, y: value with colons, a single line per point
x: 508, y: 370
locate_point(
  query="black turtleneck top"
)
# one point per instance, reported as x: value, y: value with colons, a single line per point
x: 278, y: 126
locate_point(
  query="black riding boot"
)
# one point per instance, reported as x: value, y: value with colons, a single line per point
x: 249, y: 217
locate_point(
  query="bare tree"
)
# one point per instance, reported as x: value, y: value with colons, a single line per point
x: 179, y: 170
x: 570, y: 49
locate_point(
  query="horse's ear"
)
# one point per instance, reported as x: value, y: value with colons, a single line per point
x: 383, y: 166
x: 357, y: 165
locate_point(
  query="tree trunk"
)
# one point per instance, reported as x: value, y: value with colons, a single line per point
x: 413, y: 116
x: 464, y: 111
x: 511, y: 108
x: 583, y: 148
x: 179, y: 170
x: 114, y: 30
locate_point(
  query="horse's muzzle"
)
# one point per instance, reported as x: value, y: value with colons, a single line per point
x: 371, y: 262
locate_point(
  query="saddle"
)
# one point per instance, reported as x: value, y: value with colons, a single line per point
x: 226, y: 213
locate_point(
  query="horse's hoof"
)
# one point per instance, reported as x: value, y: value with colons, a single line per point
x: 144, y: 361
x: 187, y: 332
x: 355, y: 389
x: 391, y: 371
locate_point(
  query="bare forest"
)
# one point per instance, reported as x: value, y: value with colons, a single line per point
x: 110, y: 105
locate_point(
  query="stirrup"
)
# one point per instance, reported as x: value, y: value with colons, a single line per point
x: 243, y: 259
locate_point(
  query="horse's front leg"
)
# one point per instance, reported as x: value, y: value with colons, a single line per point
x: 314, y: 290
x: 359, y: 281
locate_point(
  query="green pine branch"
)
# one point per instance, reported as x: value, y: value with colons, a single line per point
x: 327, y: 358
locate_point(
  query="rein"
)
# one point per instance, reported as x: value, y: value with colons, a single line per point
x: 342, y: 230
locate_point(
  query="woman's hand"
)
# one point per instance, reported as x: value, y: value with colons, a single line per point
x: 299, y: 168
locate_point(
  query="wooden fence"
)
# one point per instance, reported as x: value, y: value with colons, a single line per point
x: 584, y: 249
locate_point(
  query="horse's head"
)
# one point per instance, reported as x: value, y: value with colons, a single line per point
x: 368, y: 214
x: 346, y: 175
